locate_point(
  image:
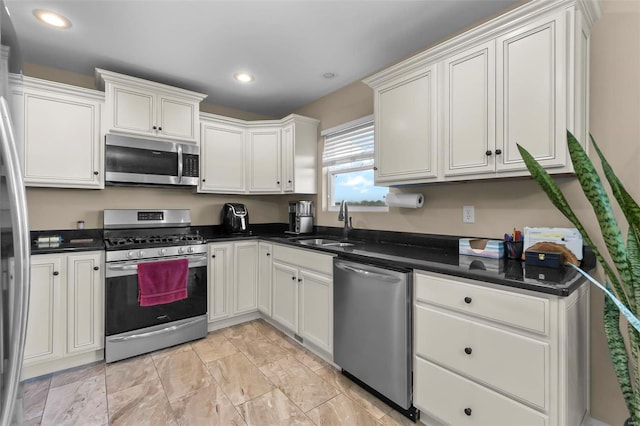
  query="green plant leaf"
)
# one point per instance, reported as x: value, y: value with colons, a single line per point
x: 629, y: 207
x: 548, y: 185
x: 631, y: 212
x: 597, y: 196
x: 618, y: 352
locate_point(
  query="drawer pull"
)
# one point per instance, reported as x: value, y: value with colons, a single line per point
x: 467, y: 300
x: 467, y: 411
x: 468, y: 350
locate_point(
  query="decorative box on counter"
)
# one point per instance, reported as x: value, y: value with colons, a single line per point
x: 548, y: 259
x: 481, y: 247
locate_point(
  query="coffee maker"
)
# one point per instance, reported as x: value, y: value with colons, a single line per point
x: 300, y: 217
x: 235, y: 218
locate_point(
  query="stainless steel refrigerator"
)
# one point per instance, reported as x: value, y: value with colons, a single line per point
x: 14, y: 231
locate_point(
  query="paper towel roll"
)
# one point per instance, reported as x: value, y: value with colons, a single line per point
x: 406, y: 200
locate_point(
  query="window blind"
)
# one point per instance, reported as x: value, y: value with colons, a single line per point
x: 348, y: 145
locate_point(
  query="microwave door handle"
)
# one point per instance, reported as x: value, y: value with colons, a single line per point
x: 179, y: 163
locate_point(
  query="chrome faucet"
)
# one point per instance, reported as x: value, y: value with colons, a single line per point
x: 344, y: 215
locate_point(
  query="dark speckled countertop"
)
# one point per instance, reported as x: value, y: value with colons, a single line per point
x: 428, y: 252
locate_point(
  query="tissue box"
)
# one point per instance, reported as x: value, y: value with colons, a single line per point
x: 472, y: 263
x: 481, y: 247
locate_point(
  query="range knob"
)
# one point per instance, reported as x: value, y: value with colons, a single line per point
x: 181, y: 250
x: 162, y: 252
x: 141, y: 253
x: 130, y: 254
x: 190, y: 250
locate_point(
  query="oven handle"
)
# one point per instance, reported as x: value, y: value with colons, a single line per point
x: 117, y: 269
x: 154, y: 333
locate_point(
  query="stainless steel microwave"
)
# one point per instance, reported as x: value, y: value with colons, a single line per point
x: 137, y: 161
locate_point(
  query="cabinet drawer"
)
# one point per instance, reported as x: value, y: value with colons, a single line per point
x: 514, y: 364
x: 446, y: 395
x: 518, y: 310
x: 305, y: 259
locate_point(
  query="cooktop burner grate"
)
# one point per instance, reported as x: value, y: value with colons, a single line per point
x: 123, y: 242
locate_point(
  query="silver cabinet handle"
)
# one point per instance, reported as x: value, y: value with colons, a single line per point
x: 19, y: 222
x: 360, y: 271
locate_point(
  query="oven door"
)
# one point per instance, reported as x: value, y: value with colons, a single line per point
x: 123, y: 311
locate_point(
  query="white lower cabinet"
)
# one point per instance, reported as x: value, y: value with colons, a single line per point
x: 302, y: 293
x: 488, y: 354
x: 66, y: 316
x: 232, y: 279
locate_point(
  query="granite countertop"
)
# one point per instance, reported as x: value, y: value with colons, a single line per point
x: 512, y: 273
x: 434, y: 253
x: 71, y: 240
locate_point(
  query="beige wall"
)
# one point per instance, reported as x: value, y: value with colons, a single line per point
x: 501, y: 205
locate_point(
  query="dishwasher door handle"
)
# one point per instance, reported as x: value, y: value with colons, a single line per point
x: 372, y: 274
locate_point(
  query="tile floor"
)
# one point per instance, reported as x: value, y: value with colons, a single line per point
x: 249, y: 374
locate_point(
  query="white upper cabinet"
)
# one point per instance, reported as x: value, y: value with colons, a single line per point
x: 531, y: 93
x: 460, y: 109
x: 222, y: 157
x: 265, y: 160
x: 258, y: 157
x: 299, y: 154
x: 62, y: 145
x: 405, y: 127
x: 144, y: 108
x: 468, y: 130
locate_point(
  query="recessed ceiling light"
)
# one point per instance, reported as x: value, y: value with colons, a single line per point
x: 51, y: 18
x: 328, y: 75
x: 243, y: 77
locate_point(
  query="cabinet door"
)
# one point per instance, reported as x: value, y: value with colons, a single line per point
x: 62, y: 146
x: 316, y: 309
x: 220, y: 278
x: 85, y: 300
x: 222, y: 158
x: 245, y: 293
x: 469, y: 111
x: 134, y: 110
x: 288, y: 158
x: 405, y: 126
x: 45, y: 336
x: 285, y: 295
x: 531, y: 94
x: 177, y: 118
x: 264, y: 160
x: 265, y: 265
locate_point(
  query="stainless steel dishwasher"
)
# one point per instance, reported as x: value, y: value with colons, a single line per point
x: 372, y: 329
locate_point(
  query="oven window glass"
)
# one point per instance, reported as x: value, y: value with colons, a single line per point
x: 124, y: 313
x: 122, y: 159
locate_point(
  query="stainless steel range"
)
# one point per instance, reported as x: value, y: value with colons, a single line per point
x: 151, y: 237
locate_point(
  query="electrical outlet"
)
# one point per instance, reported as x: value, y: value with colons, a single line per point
x: 468, y: 214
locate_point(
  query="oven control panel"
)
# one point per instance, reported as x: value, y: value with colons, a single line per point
x: 155, y: 252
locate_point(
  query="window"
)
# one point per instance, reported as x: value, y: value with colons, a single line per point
x: 348, y: 162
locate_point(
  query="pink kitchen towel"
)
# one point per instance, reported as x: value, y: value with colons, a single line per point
x: 162, y: 282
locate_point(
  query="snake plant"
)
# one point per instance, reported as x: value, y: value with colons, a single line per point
x: 622, y: 285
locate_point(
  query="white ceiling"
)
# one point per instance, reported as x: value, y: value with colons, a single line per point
x: 200, y: 44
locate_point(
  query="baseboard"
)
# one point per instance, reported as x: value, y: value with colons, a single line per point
x: 37, y: 370
x: 590, y: 421
x: 228, y: 322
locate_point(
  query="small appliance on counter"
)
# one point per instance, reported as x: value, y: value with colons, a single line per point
x: 235, y: 218
x: 300, y: 217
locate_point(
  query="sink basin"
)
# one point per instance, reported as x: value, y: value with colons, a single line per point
x: 323, y: 242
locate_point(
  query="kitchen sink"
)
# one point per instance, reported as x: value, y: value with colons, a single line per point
x: 323, y: 242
